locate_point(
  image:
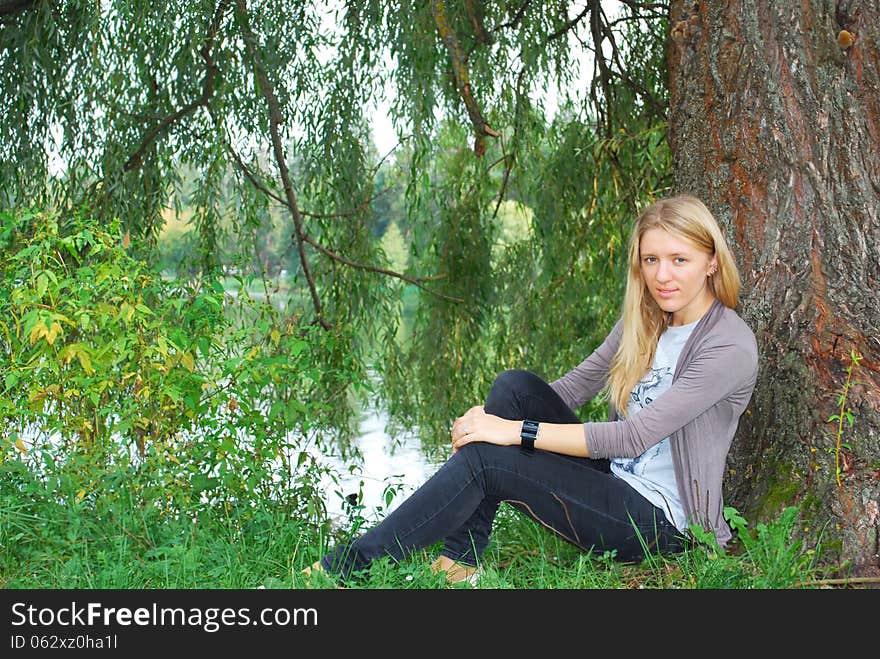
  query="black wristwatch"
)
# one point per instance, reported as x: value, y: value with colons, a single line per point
x: 528, y: 434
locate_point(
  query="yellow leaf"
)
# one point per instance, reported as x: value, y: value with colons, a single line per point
x: 173, y: 458
x: 20, y: 445
x: 85, y: 361
x: 275, y: 335
x: 67, y: 353
x: 38, y: 331
x: 126, y: 311
x: 64, y: 319
x: 53, y: 333
x: 188, y: 361
x: 80, y: 495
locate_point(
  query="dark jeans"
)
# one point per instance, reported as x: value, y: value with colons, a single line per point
x: 577, y: 498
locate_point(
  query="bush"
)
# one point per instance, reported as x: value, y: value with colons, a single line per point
x: 120, y: 388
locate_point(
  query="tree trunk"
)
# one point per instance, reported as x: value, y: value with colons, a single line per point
x: 775, y: 124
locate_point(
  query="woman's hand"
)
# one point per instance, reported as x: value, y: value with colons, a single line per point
x: 476, y: 425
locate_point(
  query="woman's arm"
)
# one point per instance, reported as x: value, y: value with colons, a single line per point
x: 478, y: 426
x: 716, y: 373
x: 586, y: 379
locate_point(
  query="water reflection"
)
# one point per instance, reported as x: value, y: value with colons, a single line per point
x: 401, y: 464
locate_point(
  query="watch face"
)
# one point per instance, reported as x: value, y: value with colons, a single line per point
x: 529, y: 429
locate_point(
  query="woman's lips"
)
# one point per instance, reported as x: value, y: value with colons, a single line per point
x: 663, y: 292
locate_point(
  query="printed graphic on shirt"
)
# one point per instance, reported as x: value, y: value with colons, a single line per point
x: 642, y: 395
x: 652, y: 474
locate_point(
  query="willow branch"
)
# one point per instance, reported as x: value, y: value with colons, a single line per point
x: 615, y: 55
x: 475, y: 13
x: 604, y: 73
x: 511, y: 157
x: 135, y: 159
x: 259, y: 185
x: 658, y: 6
x: 482, y: 129
x: 568, y: 25
x: 372, y: 268
x: 275, y: 119
x: 517, y: 17
x: 357, y: 210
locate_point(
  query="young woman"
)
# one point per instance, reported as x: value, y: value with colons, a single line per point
x: 678, y: 369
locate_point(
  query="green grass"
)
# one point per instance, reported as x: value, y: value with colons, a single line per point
x: 75, y: 546
x: 524, y: 555
x: 122, y: 545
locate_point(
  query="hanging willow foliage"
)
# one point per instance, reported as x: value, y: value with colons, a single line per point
x: 245, y: 113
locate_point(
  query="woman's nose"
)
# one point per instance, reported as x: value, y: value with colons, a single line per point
x: 663, y: 272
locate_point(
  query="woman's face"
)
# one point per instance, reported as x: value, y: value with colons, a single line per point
x: 676, y: 273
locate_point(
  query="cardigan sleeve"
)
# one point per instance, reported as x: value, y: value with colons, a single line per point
x: 586, y: 379
x: 716, y: 372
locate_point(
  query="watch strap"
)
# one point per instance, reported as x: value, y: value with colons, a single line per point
x: 528, y: 434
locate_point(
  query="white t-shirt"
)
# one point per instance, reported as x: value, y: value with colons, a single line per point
x: 652, y: 474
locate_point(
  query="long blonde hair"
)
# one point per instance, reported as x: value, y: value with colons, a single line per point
x: 685, y: 217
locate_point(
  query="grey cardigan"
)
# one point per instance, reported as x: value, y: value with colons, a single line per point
x: 711, y: 387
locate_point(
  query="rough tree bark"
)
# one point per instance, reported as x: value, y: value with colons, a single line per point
x: 775, y: 123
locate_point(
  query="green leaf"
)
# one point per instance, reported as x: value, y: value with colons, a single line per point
x: 192, y: 399
x: 42, y: 285
x: 200, y: 483
x: 297, y: 347
x: 733, y: 516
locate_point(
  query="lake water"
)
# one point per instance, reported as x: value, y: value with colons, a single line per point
x: 399, y: 463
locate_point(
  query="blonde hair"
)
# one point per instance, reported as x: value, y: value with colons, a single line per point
x: 685, y: 217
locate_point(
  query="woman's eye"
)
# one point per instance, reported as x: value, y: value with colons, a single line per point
x: 681, y: 259
x: 650, y: 259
